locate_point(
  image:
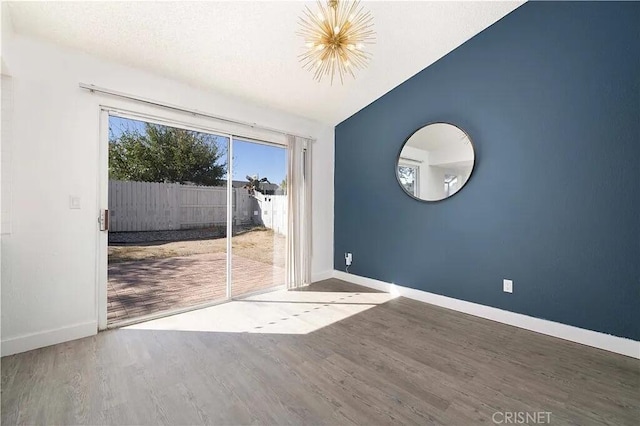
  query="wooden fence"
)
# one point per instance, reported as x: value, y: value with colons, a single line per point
x: 150, y: 206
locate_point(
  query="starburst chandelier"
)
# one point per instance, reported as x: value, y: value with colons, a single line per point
x: 335, y: 38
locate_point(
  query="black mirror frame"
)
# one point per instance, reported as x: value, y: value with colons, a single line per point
x: 473, y: 167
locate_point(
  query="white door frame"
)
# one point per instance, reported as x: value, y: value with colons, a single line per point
x: 103, y: 203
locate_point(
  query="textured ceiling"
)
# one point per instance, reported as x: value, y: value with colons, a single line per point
x: 249, y: 49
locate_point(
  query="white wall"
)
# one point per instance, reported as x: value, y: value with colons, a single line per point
x: 51, y: 293
x: 5, y: 154
x: 432, y: 182
x: 456, y: 154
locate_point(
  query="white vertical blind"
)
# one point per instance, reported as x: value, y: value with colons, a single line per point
x: 298, y: 263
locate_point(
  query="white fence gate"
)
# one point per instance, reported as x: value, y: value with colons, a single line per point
x: 150, y: 206
x: 272, y: 211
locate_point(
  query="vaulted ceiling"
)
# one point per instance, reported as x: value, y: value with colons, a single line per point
x: 250, y: 49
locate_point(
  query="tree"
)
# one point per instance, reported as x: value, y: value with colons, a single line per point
x: 166, y: 154
x: 283, y: 185
x: 255, y: 184
x: 407, y: 177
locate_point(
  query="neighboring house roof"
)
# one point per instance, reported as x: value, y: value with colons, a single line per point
x: 263, y: 185
x: 239, y: 183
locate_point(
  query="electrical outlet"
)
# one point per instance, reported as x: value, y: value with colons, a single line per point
x: 348, y: 258
x: 507, y: 286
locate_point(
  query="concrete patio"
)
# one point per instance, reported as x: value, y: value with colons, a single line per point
x: 138, y: 288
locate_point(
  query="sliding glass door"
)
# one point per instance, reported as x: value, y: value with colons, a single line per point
x: 258, y: 245
x: 175, y: 196
x: 167, y: 203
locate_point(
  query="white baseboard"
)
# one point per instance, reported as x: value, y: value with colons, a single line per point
x: 321, y: 276
x: 41, y: 339
x: 596, y: 339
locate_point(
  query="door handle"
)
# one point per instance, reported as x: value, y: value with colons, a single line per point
x: 104, y: 220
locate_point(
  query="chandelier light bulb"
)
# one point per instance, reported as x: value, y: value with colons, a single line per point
x: 335, y: 35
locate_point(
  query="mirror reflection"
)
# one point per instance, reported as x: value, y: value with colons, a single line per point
x: 435, y: 162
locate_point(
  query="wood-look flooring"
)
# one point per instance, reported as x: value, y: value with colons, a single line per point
x: 399, y: 362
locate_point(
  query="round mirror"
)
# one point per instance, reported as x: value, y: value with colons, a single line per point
x: 435, y: 162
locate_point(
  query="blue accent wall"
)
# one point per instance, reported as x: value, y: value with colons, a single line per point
x: 550, y: 96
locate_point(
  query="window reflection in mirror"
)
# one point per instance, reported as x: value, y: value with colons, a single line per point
x: 435, y: 162
x: 408, y: 175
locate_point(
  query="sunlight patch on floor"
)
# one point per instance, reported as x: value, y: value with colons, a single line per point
x: 278, y: 312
